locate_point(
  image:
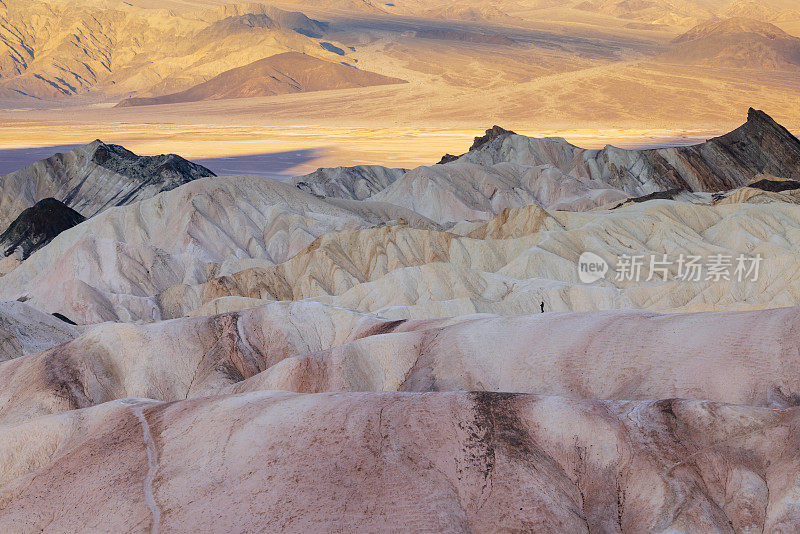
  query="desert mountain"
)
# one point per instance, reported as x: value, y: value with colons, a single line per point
x: 54, y: 49
x: 289, y: 72
x: 666, y: 13
x: 121, y: 259
x: 737, y: 43
x: 224, y: 243
x: 507, y: 170
x: 523, y: 259
x: 467, y: 13
x: 656, y: 12
x: 254, y: 14
x: 512, y: 264
x: 759, y: 11
x: 463, y: 191
x: 539, y: 60
x: 92, y: 178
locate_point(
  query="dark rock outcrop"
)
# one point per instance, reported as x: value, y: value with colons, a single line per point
x: 168, y: 169
x: 495, y: 132
x: 491, y: 134
x: 775, y: 186
x: 447, y: 158
x: 669, y: 194
x: 37, y: 226
x: 63, y: 318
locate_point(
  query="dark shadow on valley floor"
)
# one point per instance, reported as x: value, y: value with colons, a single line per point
x: 275, y: 165
x: 12, y: 159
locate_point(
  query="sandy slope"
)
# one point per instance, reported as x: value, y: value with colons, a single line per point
x: 449, y: 462
x: 25, y: 330
x: 744, y: 358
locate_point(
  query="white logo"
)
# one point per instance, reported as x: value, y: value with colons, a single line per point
x: 591, y: 267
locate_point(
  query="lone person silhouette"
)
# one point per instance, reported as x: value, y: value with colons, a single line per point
x: 542, y: 307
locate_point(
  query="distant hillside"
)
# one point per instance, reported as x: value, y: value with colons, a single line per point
x: 669, y: 12
x: 289, y: 72
x: 738, y: 43
x: 53, y: 49
x: 758, y: 11
x: 467, y: 13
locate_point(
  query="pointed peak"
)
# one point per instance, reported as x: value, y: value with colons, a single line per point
x: 760, y: 121
x: 495, y: 132
x: 491, y: 134
x: 94, y: 145
x: 757, y: 115
x: 447, y: 158
x: 51, y: 203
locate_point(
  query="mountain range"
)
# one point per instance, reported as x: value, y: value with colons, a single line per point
x: 248, y: 237
x: 77, y: 55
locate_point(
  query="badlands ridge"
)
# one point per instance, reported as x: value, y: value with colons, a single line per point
x: 375, y: 349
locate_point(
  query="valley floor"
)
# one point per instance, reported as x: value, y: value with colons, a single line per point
x: 291, y: 150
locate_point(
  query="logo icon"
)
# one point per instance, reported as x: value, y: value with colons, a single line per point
x: 591, y: 267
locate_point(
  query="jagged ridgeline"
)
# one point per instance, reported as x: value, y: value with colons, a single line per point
x: 760, y: 146
x: 255, y: 238
x: 504, y: 169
